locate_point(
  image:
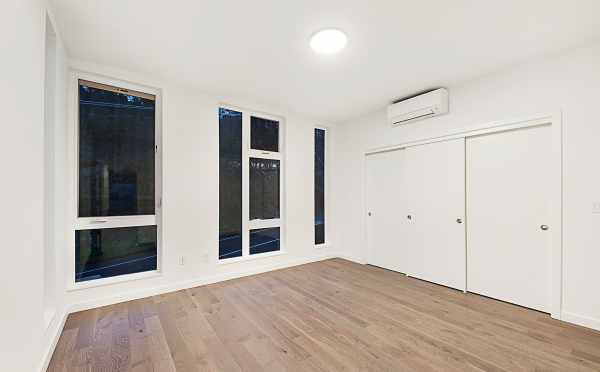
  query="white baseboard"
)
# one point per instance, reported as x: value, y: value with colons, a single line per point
x: 581, y: 320
x: 49, y: 315
x: 53, y: 332
x: 353, y: 259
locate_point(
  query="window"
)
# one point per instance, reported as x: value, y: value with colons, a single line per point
x: 319, y: 186
x: 230, y: 183
x: 250, y: 184
x: 264, y: 134
x: 116, y: 230
x: 110, y: 252
x: 264, y: 189
x: 264, y: 240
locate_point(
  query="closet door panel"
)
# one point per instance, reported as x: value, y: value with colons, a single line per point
x: 386, y: 204
x: 509, y: 184
x: 436, y: 173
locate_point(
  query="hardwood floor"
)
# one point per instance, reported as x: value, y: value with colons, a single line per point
x: 333, y: 315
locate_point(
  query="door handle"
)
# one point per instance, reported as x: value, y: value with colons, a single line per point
x: 544, y: 227
x: 459, y: 220
x: 409, y: 217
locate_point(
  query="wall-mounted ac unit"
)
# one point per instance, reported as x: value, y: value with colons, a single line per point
x: 419, y: 107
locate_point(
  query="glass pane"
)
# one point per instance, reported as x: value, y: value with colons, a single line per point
x: 230, y: 183
x: 116, y: 153
x: 264, y: 240
x: 264, y: 189
x: 264, y: 134
x: 319, y: 186
x: 102, y: 253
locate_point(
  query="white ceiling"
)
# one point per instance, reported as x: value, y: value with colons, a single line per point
x: 258, y: 49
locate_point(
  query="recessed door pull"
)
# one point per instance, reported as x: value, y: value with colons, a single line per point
x: 544, y: 227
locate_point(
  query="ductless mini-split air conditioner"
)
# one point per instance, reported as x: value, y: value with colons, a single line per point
x: 419, y: 107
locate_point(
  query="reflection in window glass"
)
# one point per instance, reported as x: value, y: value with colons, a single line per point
x: 264, y: 240
x: 230, y: 183
x: 116, y: 153
x: 264, y: 134
x: 264, y: 189
x: 102, y: 253
x: 319, y: 186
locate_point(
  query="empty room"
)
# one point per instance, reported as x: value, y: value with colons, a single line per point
x: 277, y: 185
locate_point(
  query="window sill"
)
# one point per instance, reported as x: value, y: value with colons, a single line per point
x: 113, y: 280
x: 253, y: 257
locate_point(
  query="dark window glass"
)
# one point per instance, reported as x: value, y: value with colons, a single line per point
x: 264, y: 240
x: 230, y: 183
x: 116, y: 153
x: 264, y: 134
x: 264, y: 189
x: 319, y: 186
x: 102, y: 253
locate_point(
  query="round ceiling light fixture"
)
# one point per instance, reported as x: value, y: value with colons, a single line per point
x: 329, y: 41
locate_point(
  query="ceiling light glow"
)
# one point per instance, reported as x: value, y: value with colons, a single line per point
x: 328, y: 41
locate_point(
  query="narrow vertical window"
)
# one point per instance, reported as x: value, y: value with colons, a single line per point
x: 319, y: 186
x: 116, y: 229
x: 230, y: 183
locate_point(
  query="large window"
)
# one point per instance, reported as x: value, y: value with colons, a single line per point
x: 250, y: 184
x: 319, y: 186
x: 116, y: 230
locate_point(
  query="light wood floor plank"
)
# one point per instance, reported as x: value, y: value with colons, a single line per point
x: 333, y: 315
x: 451, y: 313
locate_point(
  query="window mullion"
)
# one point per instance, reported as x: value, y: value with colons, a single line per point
x: 85, y: 223
x: 264, y: 154
x: 264, y: 224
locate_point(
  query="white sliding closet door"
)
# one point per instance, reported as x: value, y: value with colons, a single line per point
x: 386, y: 200
x: 510, y: 189
x: 436, y: 176
x: 415, y: 206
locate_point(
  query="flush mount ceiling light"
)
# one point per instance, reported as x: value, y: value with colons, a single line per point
x: 329, y: 41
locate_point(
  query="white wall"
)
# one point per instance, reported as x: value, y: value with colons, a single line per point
x: 55, y: 159
x: 568, y: 82
x: 22, y: 163
x: 55, y: 187
x: 191, y: 194
x: 49, y: 181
